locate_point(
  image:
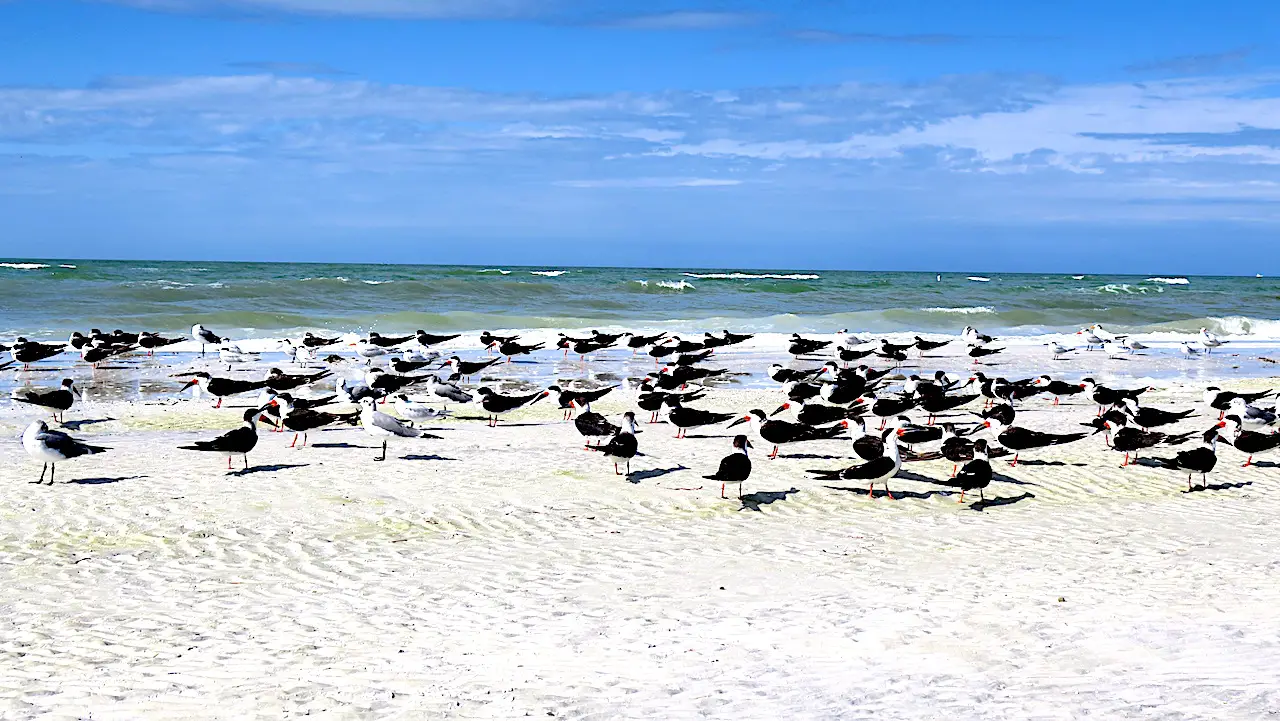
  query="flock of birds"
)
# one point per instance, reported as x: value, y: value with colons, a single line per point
x: 829, y: 393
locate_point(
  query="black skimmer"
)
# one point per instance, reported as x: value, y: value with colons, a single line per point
x: 120, y: 337
x: 910, y: 434
x: 407, y: 366
x: 204, y: 337
x: 388, y: 341
x: 589, y: 423
x: 1130, y: 440
x: 605, y: 339
x: 976, y: 474
x: 636, y: 342
x: 310, y: 340
x: 924, y: 346
x: 735, y: 467
x: 1220, y: 400
x: 683, y: 375
x: 780, y: 433
x: 380, y: 425
x: 1058, y: 389
x: 819, y: 414
x: 586, y: 347
x: 686, y: 346
x: 1200, y: 460
x: 894, y: 349
x: 1107, y: 397
x: 805, y: 346
x: 978, y: 352
x: 1002, y: 412
x: 710, y: 340
x: 685, y: 418
x: 1252, y: 416
x: 956, y: 448
x: 426, y: 340
x: 221, y: 387
x: 151, y: 341
x: 878, y: 470
x: 1210, y: 341
x: 58, y: 400
x: 78, y: 340
x: 801, y: 391
x: 447, y: 390
x: 304, y: 420
x: 511, y: 349
x: 27, y: 352
x: 566, y: 397
x: 849, y: 355
x: 933, y: 405
x: 1151, y: 417
x: 417, y: 411
x: 843, y: 392
x: 236, y: 442
x: 866, y: 446
x: 302, y: 404
x: 466, y: 369
x: 663, y: 349
x: 488, y: 340
x: 623, y: 446
x: 388, y: 383
x: 1251, y: 442
x: 495, y: 404
x: 649, y: 399
x: 886, y: 408
x: 277, y: 380
x: 783, y: 374
x: 53, y: 447
x: 1013, y: 391
x: 1019, y: 439
x: 689, y: 359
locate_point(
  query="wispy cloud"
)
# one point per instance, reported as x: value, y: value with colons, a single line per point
x: 1193, y: 64
x: 832, y: 37
x: 649, y: 183
x: 685, y: 20
x: 288, y: 68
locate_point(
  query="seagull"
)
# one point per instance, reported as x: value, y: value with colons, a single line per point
x: 204, y: 337
x: 1189, y: 351
x: 1091, y: 338
x: 58, y: 400
x: 1132, y: 345
x: 447, y: 391
x: 1209, y: 340
x: 1058, y: 349
x: 735, y: 467
x: 416, y: 410
x: 381, y: 425
x: 235, y: 442
x: 1250, y: 415
x: 53, y: 447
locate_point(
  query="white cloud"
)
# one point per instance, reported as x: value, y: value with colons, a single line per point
x: 650, y: 183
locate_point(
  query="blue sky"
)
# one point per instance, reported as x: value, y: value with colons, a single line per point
x: 1137, y: 136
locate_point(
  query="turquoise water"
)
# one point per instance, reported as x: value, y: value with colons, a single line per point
x: 46, y: 298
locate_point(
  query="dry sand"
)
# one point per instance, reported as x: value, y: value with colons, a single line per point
x: 504, y: 573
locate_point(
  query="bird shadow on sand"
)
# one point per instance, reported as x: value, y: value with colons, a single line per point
x: 811, y: 456
x: 880, y: 492
x: 267, y: 469
x: 341, y: 445
x: 983, y: 504
x: 77, y: 425
x: 753, y: 501
x: 1050, y: 463
x: 1219, y: 487
x: 1266, y: 464
x: 709, y: 435
x: 637, y: 476
x: 102, y: 481
x: 425, y: 457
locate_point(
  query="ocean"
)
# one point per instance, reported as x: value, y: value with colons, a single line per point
x: 50, y: 298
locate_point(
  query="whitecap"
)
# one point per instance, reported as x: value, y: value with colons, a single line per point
x: 549, y: 273
x: 23, y: 266
x: 754, y: 276
x: 970, y: 310
x: 675, y: 285
x: 979, y: 279
x: 375, y: 282
x: 66, y: 265
x: 1170, y: 281
x: 495, y: 270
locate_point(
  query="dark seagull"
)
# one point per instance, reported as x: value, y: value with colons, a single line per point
x: 496, y: 404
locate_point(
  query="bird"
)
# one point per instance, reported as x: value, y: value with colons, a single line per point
x: 933, y: 405
x: 735, y: 467
x: 971, y: 336
x: 692, y: 358
x: 1200, y: 459
x: 488, y: 339
x: 368, y: 351
x: 877, y: 470
x: 380, y: 425
x: 606, y: 339
x: 886, y: 408
x: 356, y: 391
x: 221, y: 387
x: 977, y: 351
x: 849, y: 355
x: 78, y: 340
x: 1251, y: 442
x: 236, y: 442
x: 865, y: 445
x: 927, y: 345
x: 955, y: 448
x: 204, y: 337
x: 495, y: 404
x: 1020, y: 439
x: 1091, y: 338
x: 59, y: 400
x: 53, y: 447
x: 402, y: 366
x: 277, y: 380
x: 685, y: 418
x: 304, y: 420
x: 589, y: 423
x: 468, y: 368
x: 1151, y: 417
x: 805, y: 346
x: 1133, y: 345
x: 417, y: 411
x: 783, y: 374
x: 1210, y: 340
x: 780, y: 433
x: 510, y: 349
x: 566, y: 397
x: 636, y: 342
x: 388, y: 341
x: 388, y: 383
x: 1057, y: 388
x: 1220, y: 400
x: 649, y: 399
x: 310, y: 340
x: 1189, y: 351
x: 1251, y: 415
x: 426, y: 340
x: 1130, y: 440
x: 1106, y: 397
x: 623, y: 446
x: 910, y: 434
x: 151, y: 341
x: 819, y: 414
x: 447, y: 390
x: 27, y: 352
x: 1058, y: 349
x: 975, y: 475
x: 231, y: 353
x: 710, y: 340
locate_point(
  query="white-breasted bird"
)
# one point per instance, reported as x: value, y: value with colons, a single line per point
x: 53, y: 447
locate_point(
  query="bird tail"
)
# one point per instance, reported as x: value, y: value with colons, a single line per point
x: 429, y: 436
x: 351, y: 419
x: 1067, y: 438
x: 1179, y: 439
x: 828, y: 432
x: 199, y: 446
x: 1169, y: 463
x: 823, y: 474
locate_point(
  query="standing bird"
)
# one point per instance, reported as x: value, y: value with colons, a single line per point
x: 623, y: 446
x: 976, y: 474
x: 976, y: 352
x: 636, y: 342
x: 1057, y: 388
x: 58, y: 400
x: 1210, y: 341
x: 466, y: 369
x: 488, y: 340
x: 925, y: 346
x: 204, y: 337
x: 222, y: 387
x: 236, y: 442
x: 426, y: 340
x: 685, y: 418
x: 1251, y: 442
x: 447, y: 391
x: 53, y: 447
x: 380, y: 425
x: 780, y: 433
x: 735, y: 467
x: 1130, y: 440
x: 1220, y: 400
x: 1150, y: 417
x: 303, y: 421
x: 805, y: 346
x: 417, y: 411
x: 495, y: 404
x: 277, y: 380
x: 1201, y: 459
x: 934, y: 405
x: 567, y: 397
x: 151, y: 341
x: 310, y: 340
x: 388, y: 341
x: 27, y: 352
x: 589, y: 423
x: 878, y: 470
x: 510, y: 349
x: 1024, y: 439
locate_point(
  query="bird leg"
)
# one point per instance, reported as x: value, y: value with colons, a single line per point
x: 722, y: 495
x: 53, y: 467
x: 1055, y: 401
x: 228, y: 463
x: 384, y: 452
x: 1014, y: 462
x: 1247, y: 463
x: 42, y: 470
x: 961, y: 496
x: 246, y: 461
x: 295, y: 440
x: 219, y: 403
x: 887, y: 493
x: 1126, y: 461
x: 954, y: 466
x: 775, y: 452
x: 304, y: 439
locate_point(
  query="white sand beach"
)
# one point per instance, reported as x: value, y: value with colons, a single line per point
x: 503, y: 573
